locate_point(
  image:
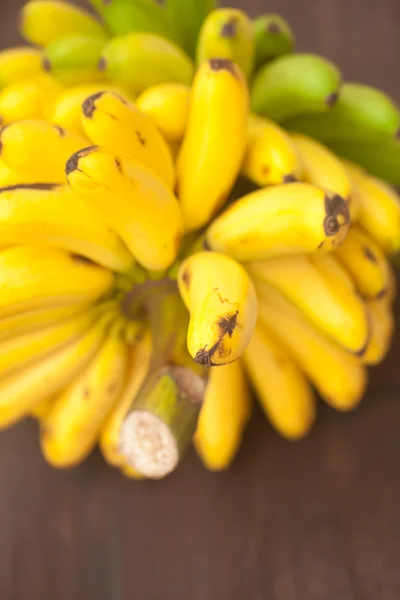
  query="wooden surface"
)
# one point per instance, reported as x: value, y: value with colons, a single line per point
x: 316, y: 520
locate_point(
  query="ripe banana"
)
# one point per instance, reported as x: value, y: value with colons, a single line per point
x: 216, y: 135
x: 140, y: 60
x: 287, y: 219
x: 134, y: 201
x: 283, y: 391
x: 362, y: 257
x: 192, y: 15
x: 168, y: 106
x: 27, y: 98
x: 71, y: 429
x: 228, y: 33
x: 42, y: 22
x: 273, y: 38
x: 319, y: 286
x: 382, y: 328
x: 223, y: 307
x: 271, y: 157
x: 295, y: 84
x: 19, y: 63
x: 223, y: 416
x: 74, y: 59
x: 315, y: 353
x: 35, y: 277
x: 52, y: 215
x: 110, y: 121
x: 42, y: 409
x: 361, y: 114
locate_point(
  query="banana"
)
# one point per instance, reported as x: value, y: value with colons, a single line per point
x: 361, y: 114
x: 70, y: 430
x: 319, y: 286
x: 111, y: 122
x: 287, y: 219
x: 27, y: 98
x: 34, y: 277
x: 52, y: 215
x: 271, y: 157
x: 337, y: 375
x: 273, y: 38
x: 356, y: 198
x: 41, y: 22
x: 295, y: 84
x: 362, y: 257
x: 42, y: 409
x: 382, y: 328
x: 223, y: 416
x: 223, y: 307
x: 74, y: 59
x: 283, y: 391
x: 168, y: 106
x: 192, y: 15
x: 140, y: 60
x: 137, y: 368
x: 20, y: 392
x: 134, y: 201
x: 19, y: 63
x: 216, y: 135
x: 227, y: 33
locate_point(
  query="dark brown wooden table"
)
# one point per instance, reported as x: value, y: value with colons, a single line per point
x: 316, y: 520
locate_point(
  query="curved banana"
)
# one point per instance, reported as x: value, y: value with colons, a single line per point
x: 295, y: 84
x: 33, y: 277
x: 43, y: 21
x: 140, y: 60
x: 223, y: 307
x: 227, y: 33
x: 286, y: 219
x: 27, y: 98
x: 134, y: 201
x: 216, y: 135
x: 70, y: 431
x: 319, y: 286
x: 273, y: 38
x: 168, y: 106
x: 362, y: 257
x: 225, y: 412
x: 74, y: 59
x: 52, y: 215
x: 382, y: 329
x: 19, y: 63
x: 118, y: 126
x: 282, y: 390
x: 337, y: 375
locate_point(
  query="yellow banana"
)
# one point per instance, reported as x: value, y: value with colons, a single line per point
x: 70, y: 431
x: 20, y: 392
x: 134, y: 201
x: 27, y: 98
x: 320, y: 287
x: 338, y: 376
x: 41, y: 409
x: 168, y: 106
x: 366, y: 263
x: 382, y: 327
x: 215, y: 140
x: 19, y: 63
x: 287, y: 219
x: 110, y: 121
x: 52, y: 215
x: 283, y: 391
x: 353, y: 172
x: 33, y: 277
x: 223, y: 307
x: 271, y: 157
x: 223, y: 416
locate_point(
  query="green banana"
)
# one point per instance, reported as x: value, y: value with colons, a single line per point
x: 228, y: 33
x: 362, y: 113
x: 295, y: 84
x: 273, y: 37
x: 74, y: 60
x: 140, y: 60
x: 188, y: 17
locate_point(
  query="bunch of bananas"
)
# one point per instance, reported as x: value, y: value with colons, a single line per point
x: 142, y: 282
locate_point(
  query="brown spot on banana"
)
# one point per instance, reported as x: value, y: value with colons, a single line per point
x: 331, y: 99
x: 369, y: 255
x: 289, y: 178
x: 186, y: 278
x: 30, y: 186
x: 219, y: 64
x: 118, y: 164
x: 73, y: 161
x: 229, y: 29
x: 382, y: 293
x: 78, y: 258
x: 360, y: 353
x: 226, y: 325
x: 337, y: 214
x: 141, y: 139
x: 61, y: 132
x: 46, y: 64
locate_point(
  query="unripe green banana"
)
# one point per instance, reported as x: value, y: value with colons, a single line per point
x: 74, y: 60
x: 362, y: 113
x: 140, y: 60
x: 273, y: 36
x: 293, y: 85
x: 228, y: 33
x: 191, y: 14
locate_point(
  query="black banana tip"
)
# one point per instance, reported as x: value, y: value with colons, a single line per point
x: 46, y: 64
x: 73, y: 161
x: 229, y: 29
x: 335, y: 207
x: 273, y: 28
x: 219, y: 64
x: 289, y: 178
x: 331, y: 99
x: 89, y: 105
